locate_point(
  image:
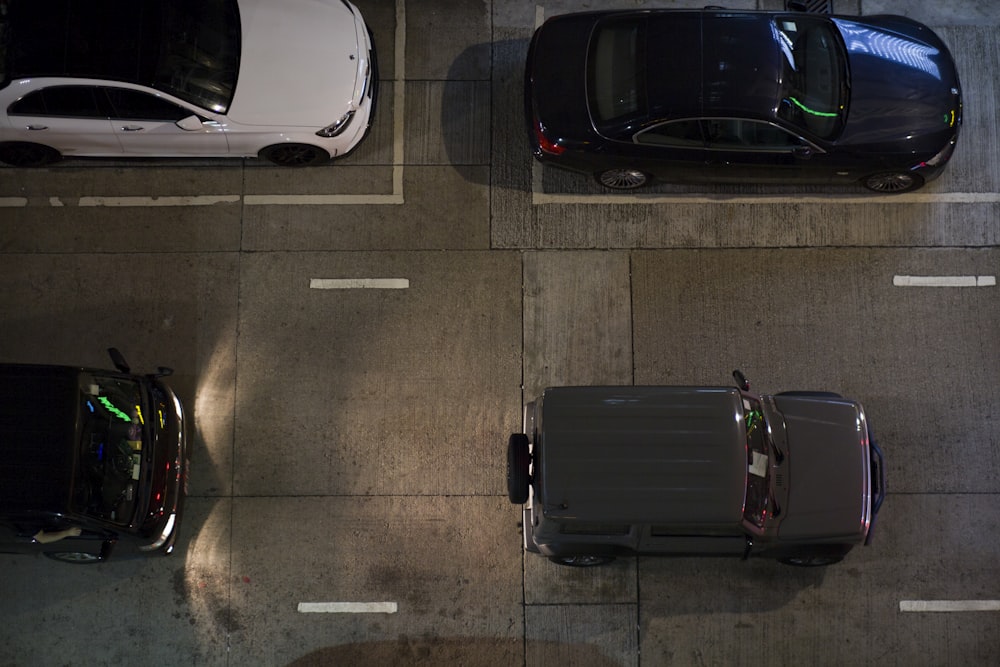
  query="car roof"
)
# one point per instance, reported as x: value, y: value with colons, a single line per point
x: 724, y: 77
x: 659, y: 455
x: 38, y: 418
x: 111, y: 39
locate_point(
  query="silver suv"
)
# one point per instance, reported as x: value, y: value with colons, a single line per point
x: 687, y: 471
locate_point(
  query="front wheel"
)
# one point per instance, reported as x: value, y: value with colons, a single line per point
x: 294, y: 155
x: 622, y: 179
x: 24, y: 154
x: 581, y: 561
x: 812, y: 561
x: 893, y: 182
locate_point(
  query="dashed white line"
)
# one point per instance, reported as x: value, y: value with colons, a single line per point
x: 359, y: 283
x: 948, y: 605
x: 944, y: 281
x: 347, y: 607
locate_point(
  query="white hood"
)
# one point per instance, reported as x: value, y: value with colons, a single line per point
x: 299, y: 63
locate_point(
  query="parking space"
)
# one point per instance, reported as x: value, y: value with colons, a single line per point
x: 354, y: 342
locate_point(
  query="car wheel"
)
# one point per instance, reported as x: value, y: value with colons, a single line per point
x: 294, y: 155
x: 75, y: 557
x: 582, y: 561
x: 893, y: 182
x: 518, y: 459
x: 812, y: 561
x: 24, y: 154
x: 622, y: 179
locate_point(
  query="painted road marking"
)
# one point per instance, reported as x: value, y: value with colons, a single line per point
x: 347, y: 607
x: 359, y: 283
x: 944, y: 281
x: 540, y: 198
x: 949, y: 605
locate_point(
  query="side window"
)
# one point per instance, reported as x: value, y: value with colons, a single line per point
x: 65, y: 101
x: 135, y: 105
x: 683, y: 133
x: 750, y: 135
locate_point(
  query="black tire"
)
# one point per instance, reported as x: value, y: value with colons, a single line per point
x: 24, y: 154
x: 623, y: 178
x: 518, y: 458
x: 582, y: 561
x: 815, y: 560
x: 74, y: 557
x: 294, y: 155
x: 893, y: 182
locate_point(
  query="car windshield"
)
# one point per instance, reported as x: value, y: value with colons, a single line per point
x: 188, y: 48
x: 757, y: 503
x: 199, y: 52
x: 113, y: 439
x: 615, y: 70
x: 814, y: 85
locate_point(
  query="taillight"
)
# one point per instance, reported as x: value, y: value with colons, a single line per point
x: 544, y: 143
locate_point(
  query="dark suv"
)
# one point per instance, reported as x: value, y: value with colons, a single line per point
x: 91, y: 461
x: 685, y: 471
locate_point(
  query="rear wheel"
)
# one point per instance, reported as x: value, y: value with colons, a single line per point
x: 518, y: 458
x: 24, y: 154
x: 582, y: 561
x: 75, y: 557
x: 893, y: 182
x: 294, y: 155
x: 622, y: 179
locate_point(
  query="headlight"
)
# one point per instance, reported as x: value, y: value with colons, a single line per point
x: 338, y: 127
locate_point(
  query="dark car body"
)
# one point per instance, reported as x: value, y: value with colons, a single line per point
x: 742, y: 97
x: 91, y: 462
x: 688, y: 471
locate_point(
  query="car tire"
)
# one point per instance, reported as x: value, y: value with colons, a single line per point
x: 814, y: 560
x: 893, y: 182
x: 294, y: 155
x: 623, y: 178
x: 74, y: 557
x: 25, y: 154
x: 582, y: 561
x: 518, y: 458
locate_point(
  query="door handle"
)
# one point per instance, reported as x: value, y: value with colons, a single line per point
x: 131, y: 128
x: 35, y: 128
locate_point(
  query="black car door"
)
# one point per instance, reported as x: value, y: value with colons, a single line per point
x: 752, y: 151
x: 673, y: 152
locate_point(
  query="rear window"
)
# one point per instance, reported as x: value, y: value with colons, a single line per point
x: 615, y: 70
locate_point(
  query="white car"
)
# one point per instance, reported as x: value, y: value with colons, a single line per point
x: 293, y: 82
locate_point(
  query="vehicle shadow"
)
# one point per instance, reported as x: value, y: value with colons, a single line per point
x: 466, y: 651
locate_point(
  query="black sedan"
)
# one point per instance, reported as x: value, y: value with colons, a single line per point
x: 742, y: 97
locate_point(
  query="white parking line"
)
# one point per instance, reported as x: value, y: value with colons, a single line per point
x: 347, y: 607
x: 948, y: 605
x: 359, y: 283
x: 944, y: 281
x: 540, y: 198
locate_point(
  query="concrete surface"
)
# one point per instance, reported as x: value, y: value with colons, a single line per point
x: 349, y: 445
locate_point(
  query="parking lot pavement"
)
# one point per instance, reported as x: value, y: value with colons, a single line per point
x: 354, y: 343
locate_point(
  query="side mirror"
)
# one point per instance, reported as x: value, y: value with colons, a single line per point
x: 741, y: 380
x: 191, y: 123
x: 802, y: 152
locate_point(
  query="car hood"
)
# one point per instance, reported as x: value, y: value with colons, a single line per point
x: 828, y: 469
x: 904, y: 88
x: 299, y: 63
